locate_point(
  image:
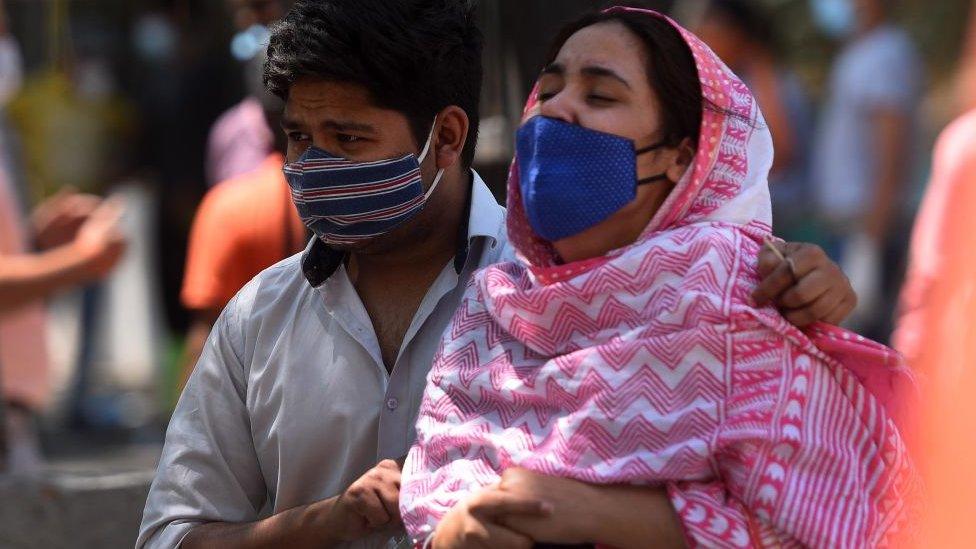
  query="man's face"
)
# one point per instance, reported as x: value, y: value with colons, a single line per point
x: 341, y: 119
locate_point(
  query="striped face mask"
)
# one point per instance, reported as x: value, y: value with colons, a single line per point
x: 346, y: 202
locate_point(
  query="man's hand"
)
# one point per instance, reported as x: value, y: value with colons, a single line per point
x: 477, y: 522
x: 807, y: 287
x: 56, y: 221
x: 371, y: 503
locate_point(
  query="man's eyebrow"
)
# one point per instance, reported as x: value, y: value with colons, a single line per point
x: 289, y: 123
x: 347, y: 125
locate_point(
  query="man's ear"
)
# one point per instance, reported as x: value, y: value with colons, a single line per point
x: 450, y: 137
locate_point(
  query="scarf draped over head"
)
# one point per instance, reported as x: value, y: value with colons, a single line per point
x: 652, y: 365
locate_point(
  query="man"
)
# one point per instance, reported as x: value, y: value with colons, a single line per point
x: 304, y: 399
x: 861, y: 158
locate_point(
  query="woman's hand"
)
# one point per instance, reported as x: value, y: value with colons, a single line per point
x: 615, y: 515
x: 571, y: 519
x: 478, y: 521
x: 807, y: 288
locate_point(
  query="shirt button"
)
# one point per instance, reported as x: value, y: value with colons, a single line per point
x: 392, y: 403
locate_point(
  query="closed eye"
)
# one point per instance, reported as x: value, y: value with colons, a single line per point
x: 600, y: 98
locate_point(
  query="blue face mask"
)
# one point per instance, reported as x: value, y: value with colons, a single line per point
x: 573, y: 178
x: 835, y: 17
x: 345, y: 202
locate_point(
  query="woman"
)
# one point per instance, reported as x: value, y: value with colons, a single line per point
x: 622, y: 349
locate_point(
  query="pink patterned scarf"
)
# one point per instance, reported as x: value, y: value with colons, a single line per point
x: 651, y: 365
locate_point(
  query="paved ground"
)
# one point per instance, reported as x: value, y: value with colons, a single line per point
x: 89, y: 497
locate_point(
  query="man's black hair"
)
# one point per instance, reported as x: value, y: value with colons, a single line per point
x: 413, y: 56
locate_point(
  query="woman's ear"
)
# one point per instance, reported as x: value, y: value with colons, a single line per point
x: 682, y: 160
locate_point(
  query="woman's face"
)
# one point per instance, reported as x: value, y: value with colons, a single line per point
x: 599, y: 81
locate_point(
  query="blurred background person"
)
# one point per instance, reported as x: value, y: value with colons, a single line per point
x: 240, y: 140
x: 78, y: 242
x: 247, y: 222
x: 243, y: 225
x: 68, y: 241
x: 937, y: 334
x: 743, y: 35
x: 862, y: 153
x: 935, y: 327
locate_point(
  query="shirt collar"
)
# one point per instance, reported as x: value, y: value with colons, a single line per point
x: 486, y: 220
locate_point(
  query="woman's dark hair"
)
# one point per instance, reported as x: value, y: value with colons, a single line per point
x: 416, y: 57
x: 671, y: 69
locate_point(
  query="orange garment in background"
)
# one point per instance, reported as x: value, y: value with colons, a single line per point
x: 938, y: 333
x: 23, y: 345
x: 243, y: 226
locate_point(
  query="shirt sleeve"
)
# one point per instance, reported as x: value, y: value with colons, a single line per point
x: 209, y: 471
x: 806, y: 457
x: 209, y: 281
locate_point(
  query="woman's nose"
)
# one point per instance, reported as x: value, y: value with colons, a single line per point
x: 560, y: 107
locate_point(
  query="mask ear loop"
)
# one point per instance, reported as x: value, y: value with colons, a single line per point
x: 423, y: 156
x: 653, y: 178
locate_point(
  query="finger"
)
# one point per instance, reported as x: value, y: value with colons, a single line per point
x: 496, y: 503
x: 774, y: 284
x: 841, y: 312
x: 807, y: 258
x: 389, y: 495
x: 499, y: 536
x: 815, y: 311
x: 807, y: 290
x: 84, y: 204
x: 768, y: 261
x: 368, y: 505
x: 109, y: 213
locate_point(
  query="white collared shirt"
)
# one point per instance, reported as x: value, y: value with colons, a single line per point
x: 290, y: 402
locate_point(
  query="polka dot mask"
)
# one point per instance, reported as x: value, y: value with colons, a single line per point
x: 572, y: 177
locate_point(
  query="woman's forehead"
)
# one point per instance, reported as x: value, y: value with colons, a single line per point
x: 608, y: 44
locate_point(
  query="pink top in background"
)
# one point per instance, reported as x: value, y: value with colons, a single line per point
x: 23, y: 346
x: 239, y: 142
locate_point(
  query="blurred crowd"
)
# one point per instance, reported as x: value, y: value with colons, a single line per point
x: 141, y: 182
